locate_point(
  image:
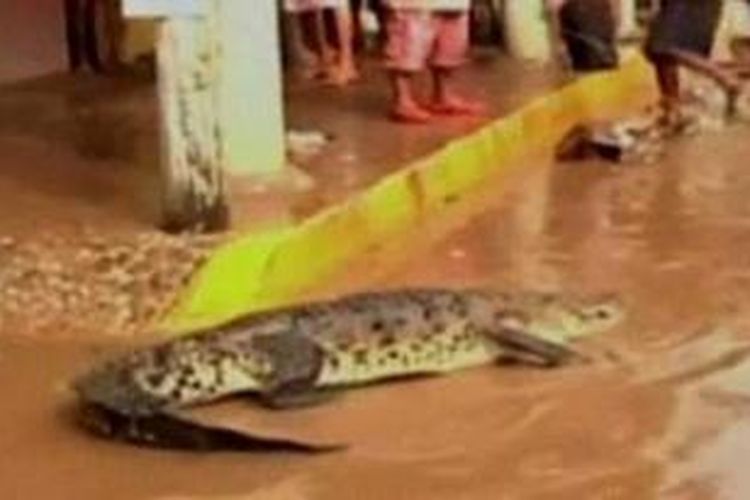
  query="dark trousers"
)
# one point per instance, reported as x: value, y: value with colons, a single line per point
x: 588, y: 29
x: 486, y: 22
x: 80, y: 31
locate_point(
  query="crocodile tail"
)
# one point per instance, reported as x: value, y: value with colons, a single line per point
x: 178, y: 432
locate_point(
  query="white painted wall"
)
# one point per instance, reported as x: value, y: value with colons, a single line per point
x: 627, y: 17
x: 527, y: 30
x: 250, y: 95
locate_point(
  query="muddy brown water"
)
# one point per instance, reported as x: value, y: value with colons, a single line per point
x: 662, y: 412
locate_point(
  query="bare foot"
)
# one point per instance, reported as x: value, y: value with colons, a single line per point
x: 312, y: 73
x: 410, y: 113
x: 312, y: 69
x: 733, y: 90
x: 342, y: 76
x: 672, y: 122
x: 459, y: 106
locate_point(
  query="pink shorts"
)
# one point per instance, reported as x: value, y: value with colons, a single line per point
x: 420, y: 38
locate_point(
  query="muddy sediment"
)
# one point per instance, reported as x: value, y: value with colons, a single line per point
x: 116, y: 286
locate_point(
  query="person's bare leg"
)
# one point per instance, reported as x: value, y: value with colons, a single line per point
x: 113, y: 29
x: 449, y: 53
x: 314, y: 44
x: 404, y: 107
x: 91, y: 25
x: 445, y: 100
x: 358, y: 38
x: 326, y: 54
x: 74, y: 33
x: 346, y: 70
x: 303, y: 60
x: 729, y: 82
x: 668, y: 80
x: 381, y: 15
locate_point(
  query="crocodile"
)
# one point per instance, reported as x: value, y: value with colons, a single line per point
x: 298, y: 356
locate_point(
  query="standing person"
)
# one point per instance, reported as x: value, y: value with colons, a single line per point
x: 93, y: 31
x: 682, y: 34
x: 431, y: 34
x: 307, y: 29
x: 485, y: 22
x: 345, y: 71
x: 80, y: 35
x: 336, y: 68
x: 588, y: 30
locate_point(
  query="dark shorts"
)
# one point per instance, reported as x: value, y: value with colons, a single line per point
x: 684, y: 25
x: 588, y: 29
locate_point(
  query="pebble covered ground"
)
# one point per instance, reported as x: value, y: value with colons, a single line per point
x: 114, y: 286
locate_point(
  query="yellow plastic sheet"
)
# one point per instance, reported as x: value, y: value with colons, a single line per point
x: 266, y: 270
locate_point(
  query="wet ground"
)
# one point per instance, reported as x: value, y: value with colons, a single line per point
x: 661, y: 412
x: 91, y: 145
x: 80, y: 184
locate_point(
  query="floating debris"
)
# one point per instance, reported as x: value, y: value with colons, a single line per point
x: 305, y: 143
x: 642, y: 137
x: 626, y: 141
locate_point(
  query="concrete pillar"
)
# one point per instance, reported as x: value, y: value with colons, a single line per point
x: 527, y: 30
x: 219, y: 74
x: 192, y: 155
x: 249, y: 87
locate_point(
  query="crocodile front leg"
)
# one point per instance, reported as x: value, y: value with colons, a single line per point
x: 522, y: 347
x: 297, y: 362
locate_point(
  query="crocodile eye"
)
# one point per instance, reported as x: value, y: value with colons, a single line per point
x: 601, y: 313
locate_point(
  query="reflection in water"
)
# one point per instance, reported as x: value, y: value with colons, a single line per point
x: 295, y: 488
x: 708, y: 439
x: 521, y: 234
x: 670, y: 238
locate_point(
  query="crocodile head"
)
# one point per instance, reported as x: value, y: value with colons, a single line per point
x: 561, y: 318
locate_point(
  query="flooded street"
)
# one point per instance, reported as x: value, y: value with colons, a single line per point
x: 661, y: 412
